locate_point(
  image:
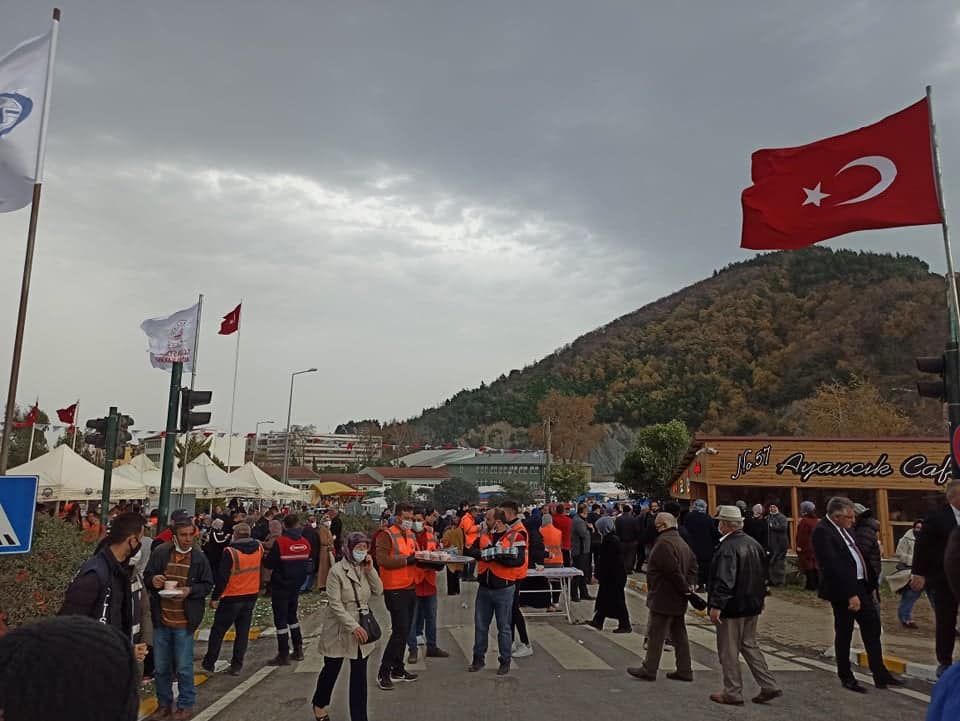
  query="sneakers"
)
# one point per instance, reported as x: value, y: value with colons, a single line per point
x: 523, y: 650
x: 279, y: 661
x: 435, y: 652
x: 403, y: 676
x: 412, y: 657
x: 477, y: 665
x: 384, y: 681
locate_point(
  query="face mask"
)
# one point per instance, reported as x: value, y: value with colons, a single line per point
x: 135, y: 553
x: 418, y: 526
x: 135, y: 558
x: 313, y: 523
x: 327, y: 523
x: 181, y: 551
x: 406, y: 525
x: 359, y: 556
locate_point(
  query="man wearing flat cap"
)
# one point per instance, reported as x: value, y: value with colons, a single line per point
x: 736, y: 592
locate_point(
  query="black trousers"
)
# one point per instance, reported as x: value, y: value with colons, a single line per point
x: 229, y: 613
x: 358, y: 685
x: 578, y: 584
x: 453, y: 583
x: 401, y: 605
x: 567, y: 561
x: 629, y: 555
x: 868, y: 619
x: 945, y: 613
x: 519, y: 622
x: 285, y: 605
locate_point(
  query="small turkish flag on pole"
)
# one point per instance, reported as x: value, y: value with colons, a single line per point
x: 231, y: 322
x: 68, y: 414
x: 880, y: 176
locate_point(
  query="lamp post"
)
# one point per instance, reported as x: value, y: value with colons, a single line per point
x: 256, y: 439
x: 286, y: 440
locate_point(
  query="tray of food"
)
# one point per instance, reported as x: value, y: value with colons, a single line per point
x: 440, y: 558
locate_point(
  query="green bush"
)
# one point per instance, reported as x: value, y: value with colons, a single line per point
x: 358, y: 522
x: 32, y: 585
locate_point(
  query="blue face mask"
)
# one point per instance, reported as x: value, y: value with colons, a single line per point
x: 359, y: 555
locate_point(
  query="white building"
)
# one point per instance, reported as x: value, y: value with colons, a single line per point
x: 323, y: 450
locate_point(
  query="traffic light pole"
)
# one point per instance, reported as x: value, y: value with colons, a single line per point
x: 170, y: 442
x: 951, y: 358
x: 109, y: 455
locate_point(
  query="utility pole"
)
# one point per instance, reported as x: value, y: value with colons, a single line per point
x: 546, y: 472
x: 109, y: 456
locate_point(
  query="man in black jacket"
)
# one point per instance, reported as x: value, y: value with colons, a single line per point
x: 627, y: 528
x: 849, y: 583
x: 737, y: 587
x: 289, y: 560
x: 929, y: 572
x: 176, y: 615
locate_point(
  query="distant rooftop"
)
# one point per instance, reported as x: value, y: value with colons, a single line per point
x: 436, y: 457
x: 503, y: 459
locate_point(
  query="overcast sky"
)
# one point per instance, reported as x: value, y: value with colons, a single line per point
x: 417, y: 196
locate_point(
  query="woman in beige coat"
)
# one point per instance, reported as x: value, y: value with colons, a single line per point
x: 351, y: 583
x: 326, y: 554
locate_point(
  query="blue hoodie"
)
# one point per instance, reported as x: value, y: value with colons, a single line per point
x: 945, y: 699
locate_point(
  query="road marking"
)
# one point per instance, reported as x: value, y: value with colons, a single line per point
x: 633, y: 642
x: 463, y: 635
x: 707, y: 638
x: 221, y: 703
x: 908, y: 692
x: 567, y: 651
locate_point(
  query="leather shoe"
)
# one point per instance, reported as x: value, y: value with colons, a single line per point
x: 887, y: 681
x: 722, y: 698
x: 641, y: 673
x: 183, y: 714
x: 853, y: 685
x: 435, y: 652
x: 677, y: 676
x: 164, y: 712
x: 767, y: 694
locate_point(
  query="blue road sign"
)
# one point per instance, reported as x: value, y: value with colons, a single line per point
x: 18, y: 503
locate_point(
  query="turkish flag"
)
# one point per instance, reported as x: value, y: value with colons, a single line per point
x: 880, y: 176
x: 30, y: 419
x: 68, y: 414
x: 231, y: 322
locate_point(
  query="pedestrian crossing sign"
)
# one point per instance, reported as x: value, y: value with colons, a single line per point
x: 18, y: 498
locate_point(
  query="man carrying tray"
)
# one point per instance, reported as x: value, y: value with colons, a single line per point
x: 425, y: 578
x: 502, y: 561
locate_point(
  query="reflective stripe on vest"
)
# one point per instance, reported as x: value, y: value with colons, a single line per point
x: 403, y: 545
x: 516, y: 535
x: 244, y: 573
x: 293, y: 549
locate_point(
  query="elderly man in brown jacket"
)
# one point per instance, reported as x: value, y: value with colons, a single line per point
x: 671, y: 576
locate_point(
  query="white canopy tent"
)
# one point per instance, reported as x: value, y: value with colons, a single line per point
x: 67, y: 476
x: 251, y: 476
x: 205, y: 479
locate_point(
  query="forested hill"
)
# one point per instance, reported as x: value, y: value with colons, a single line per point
x: 731, y: 353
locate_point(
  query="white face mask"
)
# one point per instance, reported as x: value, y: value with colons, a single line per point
x: 406, y: 525
x: 176, y: 544
x: 418, y: 526
x: 135, y: 558
x: 359, y: 555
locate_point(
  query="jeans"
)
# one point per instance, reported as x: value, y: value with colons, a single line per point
x: 230, y: 613
x: 308, y: 583
x: 285, y: 605
x: 358, y: 685
x: 908, y: 598
x: 424, y: 619
x: 400, y: 604
x: 173, y: 654
x: 490, y: 602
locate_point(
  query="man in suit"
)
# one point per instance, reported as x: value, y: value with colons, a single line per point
x: 850, y: 585
x: 929, y: 572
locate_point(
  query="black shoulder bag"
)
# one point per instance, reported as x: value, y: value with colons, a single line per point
x: 367, y: 620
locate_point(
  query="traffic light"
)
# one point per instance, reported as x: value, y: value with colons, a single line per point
x: 97, y: 437
x: 933, y: 388
x: 123, y: 433
x: 188, y: 401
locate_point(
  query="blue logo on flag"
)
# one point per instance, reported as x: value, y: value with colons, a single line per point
x: 14, y: 109
x: 18, y: 502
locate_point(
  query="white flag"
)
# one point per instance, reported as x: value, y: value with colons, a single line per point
x: 23, y: 77
x: 173, y: 339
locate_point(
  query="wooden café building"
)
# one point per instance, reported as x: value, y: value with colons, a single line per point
x: 901, y: 479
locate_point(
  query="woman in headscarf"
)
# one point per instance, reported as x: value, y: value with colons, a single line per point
x: 611, y: 598
x: 806, y: 560
x: 351, y: 584
x: 325, y: 560
x: 217, y: 540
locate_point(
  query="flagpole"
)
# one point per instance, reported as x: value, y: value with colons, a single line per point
x: 233, y: 399
x: 33, y: 429
x: 31, y: 244
x: 935, y: 149
x: 76, y: 427
x: 193, y: 377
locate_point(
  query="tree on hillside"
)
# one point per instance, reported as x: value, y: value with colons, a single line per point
x: 452, y: 492
x: 572, y: 431
x: 853, y: 410
x: 20, y: 437
x: 647, y: 469
x: 568, y: 481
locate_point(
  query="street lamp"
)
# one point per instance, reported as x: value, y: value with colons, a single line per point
x: 286, y: 440
x: 256, y: 439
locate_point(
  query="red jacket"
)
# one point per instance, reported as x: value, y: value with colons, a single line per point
x: 565, y: 524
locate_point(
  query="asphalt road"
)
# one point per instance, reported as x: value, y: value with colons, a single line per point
x: 575, y: 673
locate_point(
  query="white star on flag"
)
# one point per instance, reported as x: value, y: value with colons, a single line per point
x: 814, y: 196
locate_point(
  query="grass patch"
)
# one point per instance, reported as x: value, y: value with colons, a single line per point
x: 263, y: 612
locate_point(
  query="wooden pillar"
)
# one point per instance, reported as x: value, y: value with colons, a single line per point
x: 795, y: 515
x: 711, y: 499
x: 883, y: 515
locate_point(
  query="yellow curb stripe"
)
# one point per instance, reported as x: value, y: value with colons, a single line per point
x: 149, y: 704
x: 893, y: 663
x: 231, y: 635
